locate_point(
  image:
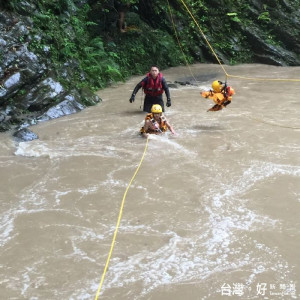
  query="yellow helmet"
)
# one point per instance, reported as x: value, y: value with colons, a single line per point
x: 156, y: 109
x: 217, y: 86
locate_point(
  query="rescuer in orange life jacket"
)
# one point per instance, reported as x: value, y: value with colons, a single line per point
x: 154, y: 84
x: 221, y: 94
x: 156, y: 122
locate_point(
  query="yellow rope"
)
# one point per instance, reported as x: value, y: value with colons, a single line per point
x: 177, y: 38
x: 202, y: 33
x: 263, y: 79
x: 217, y: 58
x: 146, y: 146
x: 228, y: 75
x: 118, y: 222
x: 273, y: 124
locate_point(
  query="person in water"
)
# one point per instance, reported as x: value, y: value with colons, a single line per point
x: 155, y: 122
x: 154, y: 84
x: 221, y: 94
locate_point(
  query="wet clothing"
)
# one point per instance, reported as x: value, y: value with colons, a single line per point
x: 149, y: 101
x: 158, y: 127
x: 221, y: 99
x: 153, y: 89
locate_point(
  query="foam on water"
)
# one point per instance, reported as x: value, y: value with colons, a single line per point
x: 171, y: 265
x: 59, y: 149
x: 6, y: 227
x: 191, y: 218
x: 32, y: 149
x: 194, y: 258
x: 169, y: 143
x: 184, y: 259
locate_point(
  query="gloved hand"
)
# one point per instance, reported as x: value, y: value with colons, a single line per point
x: 168, y: 102
x: 131, y: 99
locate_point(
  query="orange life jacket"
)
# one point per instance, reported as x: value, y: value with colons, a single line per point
x: 162, y: 125
x: 218, y: 98
x: 153, y: 87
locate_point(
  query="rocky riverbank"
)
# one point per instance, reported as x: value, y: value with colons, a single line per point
x: 47, y: 71
x: 30, y: 89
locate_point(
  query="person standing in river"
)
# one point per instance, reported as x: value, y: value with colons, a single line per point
x: 154, y: 84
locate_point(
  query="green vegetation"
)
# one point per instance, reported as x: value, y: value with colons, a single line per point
x: 99, y: 56
x: 83, y: 39
x: 234, y: 17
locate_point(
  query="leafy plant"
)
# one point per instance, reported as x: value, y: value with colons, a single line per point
x: 234, y: 17
x: 265, y: 16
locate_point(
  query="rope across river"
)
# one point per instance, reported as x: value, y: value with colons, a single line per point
x: 227, y: 75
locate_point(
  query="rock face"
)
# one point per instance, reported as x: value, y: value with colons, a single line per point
x: 25, y: 135
x: 284, y: 20
x: 239, y: 31
x: 33, y: 90
x: 29, y: 91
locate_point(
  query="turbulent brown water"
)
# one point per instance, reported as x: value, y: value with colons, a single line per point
x: 213, y: 212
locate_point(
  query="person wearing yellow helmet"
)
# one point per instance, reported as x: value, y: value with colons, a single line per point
x: 156, y: 109
x: 217, y: 86
x: 220, y: 93
x: 155, y: 122
x: 154, y: 85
